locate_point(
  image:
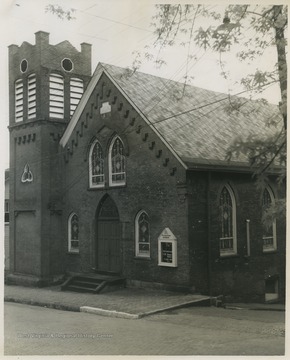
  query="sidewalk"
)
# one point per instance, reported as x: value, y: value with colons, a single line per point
x: 124, y: 302
x: 129, y: 303
x: 255, y: 306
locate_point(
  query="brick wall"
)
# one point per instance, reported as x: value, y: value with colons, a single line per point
x: 149, y: 186
x: 35, y: 221
x: 239, y: 277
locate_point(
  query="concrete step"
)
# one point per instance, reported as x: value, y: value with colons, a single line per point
x: 88, y: 284
x: 92, y: 283
x: 80, y: 289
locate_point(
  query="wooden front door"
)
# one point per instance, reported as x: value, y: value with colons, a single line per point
x: 108, y: 238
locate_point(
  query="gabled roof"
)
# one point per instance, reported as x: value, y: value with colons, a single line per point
x: 198, y: 125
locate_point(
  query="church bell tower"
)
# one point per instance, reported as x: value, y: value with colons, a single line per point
x: 46, y: 82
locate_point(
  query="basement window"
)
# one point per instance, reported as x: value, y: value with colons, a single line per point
x: 272, y: 289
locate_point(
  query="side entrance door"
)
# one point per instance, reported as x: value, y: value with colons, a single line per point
x: 108, y: 238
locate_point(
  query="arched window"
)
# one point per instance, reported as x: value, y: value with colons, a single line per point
x: 96, y: 165
x: 142, y: 234
x: 31, y: 96
x: 269, y: 232
x: 228, y: 233
x: 76, y: 92
x: 19, y: 100
x: 56, y: 96
x: 73, y: 233
x: 117, y: 160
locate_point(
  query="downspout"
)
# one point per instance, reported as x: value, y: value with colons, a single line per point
x: 209, y: 233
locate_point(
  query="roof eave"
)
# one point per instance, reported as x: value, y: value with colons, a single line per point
x: 238, y: 167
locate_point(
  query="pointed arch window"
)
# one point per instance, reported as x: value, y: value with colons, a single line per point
x: 117, y: 163
x: 269, y: 232
x: 228, y: 233
x: 96, y: 167
x: 142, y: 234
x: 73, y: 233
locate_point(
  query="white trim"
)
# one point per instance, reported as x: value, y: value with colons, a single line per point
x: 74, y: 120
x: 92, y: 185
x: 61, y: 63
x: 137, y: 254
x: 70, y: 250
x: 225, y: 252
x: 111, y: 183
x: 23, y: 72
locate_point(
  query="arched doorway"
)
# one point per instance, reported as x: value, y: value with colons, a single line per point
x: 108, y: 237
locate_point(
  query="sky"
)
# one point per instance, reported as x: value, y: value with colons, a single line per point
x: 115, y: 28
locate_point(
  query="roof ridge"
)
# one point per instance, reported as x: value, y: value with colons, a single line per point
x: 107, y: 66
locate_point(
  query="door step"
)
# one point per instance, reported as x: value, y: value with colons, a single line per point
x: 93, y: 283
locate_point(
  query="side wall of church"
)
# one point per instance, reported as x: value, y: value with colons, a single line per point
x: 243, y: 276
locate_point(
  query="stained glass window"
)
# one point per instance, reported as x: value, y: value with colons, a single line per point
x: 73, y: 233
x: 269, y: 232
x: 117, y: 163
x: 227, y: 222
x: 142, y: 231
x: 97, y: 177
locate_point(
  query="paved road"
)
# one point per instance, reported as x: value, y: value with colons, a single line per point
x: 32, y: 330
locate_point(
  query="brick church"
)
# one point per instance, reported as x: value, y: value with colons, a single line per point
x: 125, y: 173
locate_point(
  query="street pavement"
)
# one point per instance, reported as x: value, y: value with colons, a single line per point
x: 34, y: 330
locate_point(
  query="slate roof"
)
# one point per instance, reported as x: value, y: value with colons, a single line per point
x: 195, y: 122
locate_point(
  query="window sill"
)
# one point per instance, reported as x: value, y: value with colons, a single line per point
x: 73, y: 253
x: 142, y: 258
x: 116, y: 186
x: 228, y: 255
x: 96, y: 187
x: 107, y: 187
x: 269, y: 251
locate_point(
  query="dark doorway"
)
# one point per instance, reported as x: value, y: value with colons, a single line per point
x: 108, y: 237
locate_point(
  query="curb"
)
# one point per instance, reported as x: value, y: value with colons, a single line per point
x: 110, y: 313
x: 56, y: 306
x: 178, y: 306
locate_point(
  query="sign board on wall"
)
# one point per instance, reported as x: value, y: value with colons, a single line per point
x: 167, y: 249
